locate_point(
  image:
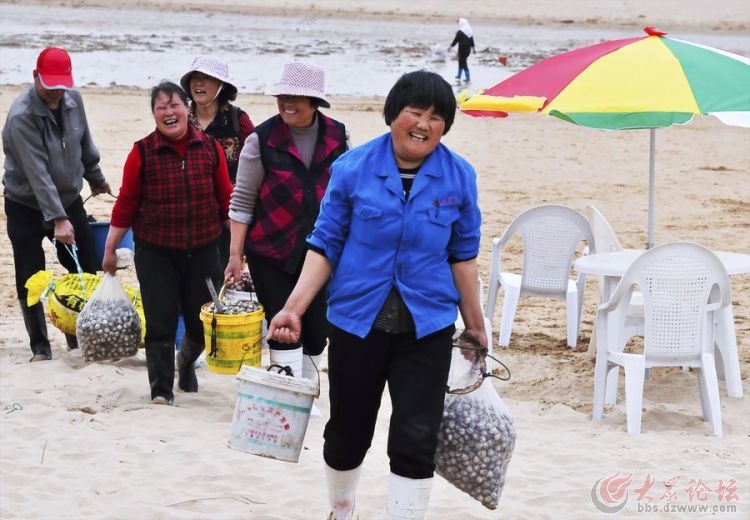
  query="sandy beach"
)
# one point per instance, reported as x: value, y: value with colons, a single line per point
x: 81, y: 440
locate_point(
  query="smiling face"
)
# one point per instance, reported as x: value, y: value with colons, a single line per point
x: 203, y: 88
x: 50, y: 97
x: 171, y: 116
x: 296, y: 111
x: 415, y: 133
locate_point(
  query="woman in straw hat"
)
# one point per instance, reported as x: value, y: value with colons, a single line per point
x: 211, y: 93
x: 397, y: 235
x: 282, y: 176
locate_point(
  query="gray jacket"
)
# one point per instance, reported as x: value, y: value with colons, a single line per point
x: 45, y: 165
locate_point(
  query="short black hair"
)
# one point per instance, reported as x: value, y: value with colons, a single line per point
x: 421, y: 89
x: 170, y: 89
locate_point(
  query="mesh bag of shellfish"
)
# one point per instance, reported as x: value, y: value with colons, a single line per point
x: 108, y: 327
x: 476, y: 436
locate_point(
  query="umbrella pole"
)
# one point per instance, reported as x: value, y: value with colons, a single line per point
x: 651, y: 187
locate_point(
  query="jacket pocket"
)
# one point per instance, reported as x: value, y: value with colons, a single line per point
x: 367, y: 225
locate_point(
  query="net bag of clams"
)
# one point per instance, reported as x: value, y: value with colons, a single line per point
x: 108, y: 327
x: 476, y: 436
x: 66, y: 296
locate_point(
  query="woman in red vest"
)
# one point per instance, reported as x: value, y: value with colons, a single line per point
x: 175, y: 195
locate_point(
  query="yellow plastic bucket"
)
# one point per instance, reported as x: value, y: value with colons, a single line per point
x: 232, y: 340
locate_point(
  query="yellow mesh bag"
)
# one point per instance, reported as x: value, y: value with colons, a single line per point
x: 65, y: 297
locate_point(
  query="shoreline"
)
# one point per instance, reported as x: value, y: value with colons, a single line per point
x: 730, y: 16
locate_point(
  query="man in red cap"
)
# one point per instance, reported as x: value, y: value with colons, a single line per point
x: 49, y: 151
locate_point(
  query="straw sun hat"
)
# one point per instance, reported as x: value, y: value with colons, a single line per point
x: 210, y: 66
x: 301, y: 79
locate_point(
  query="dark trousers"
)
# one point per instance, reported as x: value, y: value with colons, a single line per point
x: 26, y: 231
x: 273, y: 286
x: 416, y: 371
x: 463, y: 65
x: 172, y: 282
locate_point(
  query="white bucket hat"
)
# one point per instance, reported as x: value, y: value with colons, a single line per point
x: 301, y: 79
x: 210, y: 66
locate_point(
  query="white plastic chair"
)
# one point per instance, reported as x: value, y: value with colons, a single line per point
x: 551, y: 235
x: 683, y: 284
x: 605, y: 241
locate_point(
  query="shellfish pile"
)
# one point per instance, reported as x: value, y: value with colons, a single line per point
x: 108, y: 330
x: 244, y: 284
x: 475, y: 444
x: 231, y: 306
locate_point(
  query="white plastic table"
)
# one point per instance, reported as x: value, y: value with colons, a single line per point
x: 612, y: 265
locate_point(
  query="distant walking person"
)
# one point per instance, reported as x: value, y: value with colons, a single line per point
x: 49, y: 152
x: 465, y: 40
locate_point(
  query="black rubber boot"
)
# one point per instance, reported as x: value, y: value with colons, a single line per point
x: 160, y: 364
x: 71, y: 341
x: 190, y: 351
x: 36, y: 327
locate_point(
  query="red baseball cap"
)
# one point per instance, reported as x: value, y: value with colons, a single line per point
x: 54, y: 69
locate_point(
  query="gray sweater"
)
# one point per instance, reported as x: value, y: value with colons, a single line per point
x: 44, y: 164
x: 250, y: 173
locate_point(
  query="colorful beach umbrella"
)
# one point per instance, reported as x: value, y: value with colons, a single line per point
x: 643, y: 82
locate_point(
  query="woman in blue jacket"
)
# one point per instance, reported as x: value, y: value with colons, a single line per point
x: 396, y: 240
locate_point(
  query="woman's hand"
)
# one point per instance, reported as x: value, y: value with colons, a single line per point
x: 473, y: 344
x: 109, y: 262
x: 233, y: 271
x: 285, y: 327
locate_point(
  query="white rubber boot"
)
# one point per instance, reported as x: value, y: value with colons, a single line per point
x: 310, y: 368
x: 342, y: 490
x: 288, y: 358
x: 408, y: 497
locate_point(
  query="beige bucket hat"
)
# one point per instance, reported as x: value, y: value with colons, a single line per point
x: 210, y: 66
x: 301, y: 79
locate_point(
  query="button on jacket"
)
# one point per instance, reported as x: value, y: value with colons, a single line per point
x: 45, y: 165
x: 376, y: 238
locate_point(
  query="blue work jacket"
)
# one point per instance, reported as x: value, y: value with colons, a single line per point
x: 376, y: 238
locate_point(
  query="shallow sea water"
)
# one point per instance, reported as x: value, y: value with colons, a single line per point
x: 138, y: 48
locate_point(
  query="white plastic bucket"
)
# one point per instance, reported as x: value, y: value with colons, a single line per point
x: 271, y: 413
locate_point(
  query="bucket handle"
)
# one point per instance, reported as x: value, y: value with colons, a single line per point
x: 278, y: 369
x: 317, y: 372
x: 246, y: 350
x: 105, y: 193
x: 288, y: 371
x: 214, y: 348
x: 73, y: 251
